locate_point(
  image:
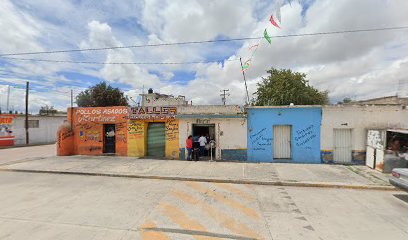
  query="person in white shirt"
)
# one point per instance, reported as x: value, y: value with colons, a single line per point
x: 202, y: 140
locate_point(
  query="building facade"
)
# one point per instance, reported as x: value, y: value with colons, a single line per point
x: 225, y: 125
x: 292, y: 134
x: 284, y: 134
x: 41, y: 129
x: 345, y: 129
x: 123, y: 131
x: 157, y: 132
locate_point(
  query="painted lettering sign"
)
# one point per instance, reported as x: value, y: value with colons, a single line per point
x: 172, y: 129
x: 136, y: 129
x: 106, y: 114
x: 152, y: 112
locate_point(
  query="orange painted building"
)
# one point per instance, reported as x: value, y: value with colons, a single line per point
x: 123, y: 131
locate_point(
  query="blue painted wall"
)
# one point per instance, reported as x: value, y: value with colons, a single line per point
x: 234, y: 154
x: 305, y: 139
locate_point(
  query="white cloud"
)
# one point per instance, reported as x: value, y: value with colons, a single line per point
x: 19, y: 31
x: 361, y: 64
x: 100, y: 35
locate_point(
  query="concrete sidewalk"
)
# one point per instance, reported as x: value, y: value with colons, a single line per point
x: 282, y: 174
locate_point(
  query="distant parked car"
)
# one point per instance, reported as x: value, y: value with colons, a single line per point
x: 399, y: 178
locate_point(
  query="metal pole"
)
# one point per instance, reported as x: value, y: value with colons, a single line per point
x: 246, y: 86
x: 8, y: 98
x: 72, y: 99
x: 26, y: 113
x: 211, y: 149
x: 211, y: 152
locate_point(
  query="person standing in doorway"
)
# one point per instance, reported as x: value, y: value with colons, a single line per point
x: 202, y: 140
x: 189, y: 146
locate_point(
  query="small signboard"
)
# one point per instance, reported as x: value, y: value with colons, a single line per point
x: 152, y: 112
x: 6, y: 129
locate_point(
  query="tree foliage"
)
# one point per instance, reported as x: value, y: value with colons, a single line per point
x: 101, y: 95
x: 283, y: 87
x: 345, y: 101
x: 47, y: 110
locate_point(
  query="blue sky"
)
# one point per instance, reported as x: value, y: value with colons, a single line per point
x: 346, y: 65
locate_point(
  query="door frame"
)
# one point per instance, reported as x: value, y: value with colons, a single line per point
x: 351, y: 145
x: 290, y: 142
x: 104, y: 138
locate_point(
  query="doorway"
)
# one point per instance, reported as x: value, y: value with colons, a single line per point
x: 109, y: 145
x: 208, y: 131
x: 156, y: 140
x: 282, y: 142
x: 342, y: 146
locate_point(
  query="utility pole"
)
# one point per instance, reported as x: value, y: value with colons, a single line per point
x: 8, y: 97
x: 246, y: 86
x: 224, y: 95
x: 26, y: 112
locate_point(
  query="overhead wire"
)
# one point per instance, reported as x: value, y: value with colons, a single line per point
x: 204, y: 41
x: 116, y: 63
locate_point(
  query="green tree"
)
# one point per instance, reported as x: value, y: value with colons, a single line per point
x: 101, y: 95
x: 47, y: 110
x: 345, y: 101
x: 283, y: 87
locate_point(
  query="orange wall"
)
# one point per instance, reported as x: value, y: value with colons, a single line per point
x: 131, y: 135
x: 88, y: 129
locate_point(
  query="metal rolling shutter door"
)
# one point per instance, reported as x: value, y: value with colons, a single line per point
x: 156, y: 140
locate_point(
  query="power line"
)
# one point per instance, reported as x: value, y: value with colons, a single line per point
x: 205, y: 41
x: 116, y: 63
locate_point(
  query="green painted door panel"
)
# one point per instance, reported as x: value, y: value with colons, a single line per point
x: 156, y: 140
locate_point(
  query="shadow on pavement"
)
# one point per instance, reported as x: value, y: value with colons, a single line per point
x: 199, y: 233
x: 402, y: 197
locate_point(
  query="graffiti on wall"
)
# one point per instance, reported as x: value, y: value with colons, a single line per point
x: 92, y: 136
x: 121, y: 129
x: 375, y: 139
x: 90, y: 148
x: 305, y: 135
x: 63, y: 136
x: 260, y: 140
x: 120, y: 136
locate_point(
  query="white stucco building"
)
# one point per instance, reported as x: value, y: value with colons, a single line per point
x: 42, y: 129
x: 344, y: 129
x: 226, y: 125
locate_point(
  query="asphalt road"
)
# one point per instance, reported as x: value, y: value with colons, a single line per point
x: 52, y: 206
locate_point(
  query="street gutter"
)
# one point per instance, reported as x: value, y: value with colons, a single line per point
x: 217, y: 180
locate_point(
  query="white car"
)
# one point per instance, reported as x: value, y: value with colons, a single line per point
x: 399, y: 178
